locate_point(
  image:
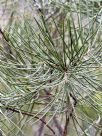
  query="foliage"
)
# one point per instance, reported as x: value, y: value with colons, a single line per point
x: 51, y: 69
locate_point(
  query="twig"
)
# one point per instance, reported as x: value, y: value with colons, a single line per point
x: 31, y: 115
x: 66, y: 125
x: 70, y: 115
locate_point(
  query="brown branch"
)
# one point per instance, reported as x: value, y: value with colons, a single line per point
x: 31, y: 115
x: 70, y: 115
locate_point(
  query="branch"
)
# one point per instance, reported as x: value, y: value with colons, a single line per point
x: 70, y: 115
x: 31, y: 115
